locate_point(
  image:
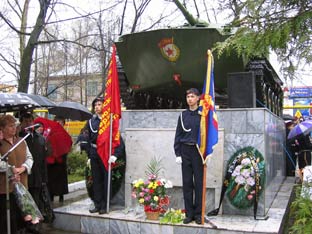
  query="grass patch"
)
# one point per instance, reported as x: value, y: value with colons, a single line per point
x: 75, y: 178
x: 76, y: 166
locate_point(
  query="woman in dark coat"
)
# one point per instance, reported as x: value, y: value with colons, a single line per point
x: 61, y: 143
x: 57, y: 172
x: 37, y: 180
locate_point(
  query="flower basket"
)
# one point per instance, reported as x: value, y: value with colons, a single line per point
x: 151, y: 192
x: 152, y: 215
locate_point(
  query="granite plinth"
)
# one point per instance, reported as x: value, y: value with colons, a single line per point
x: 76, y: 218
x: 150, y: 133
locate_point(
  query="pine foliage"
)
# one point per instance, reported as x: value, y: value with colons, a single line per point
x: 284, y: 26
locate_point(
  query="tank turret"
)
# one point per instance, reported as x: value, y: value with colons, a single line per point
x: 160, y: 65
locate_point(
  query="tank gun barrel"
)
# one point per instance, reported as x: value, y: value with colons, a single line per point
x: 188, y: 16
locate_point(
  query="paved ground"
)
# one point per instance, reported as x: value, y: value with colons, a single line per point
x: 68, y: 198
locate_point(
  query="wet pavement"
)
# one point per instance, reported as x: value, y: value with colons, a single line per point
x: 68, y: 198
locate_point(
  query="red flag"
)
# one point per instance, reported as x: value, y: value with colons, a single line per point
x: 111, y: 107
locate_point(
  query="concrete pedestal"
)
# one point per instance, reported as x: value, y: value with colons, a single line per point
x: 150, y: 133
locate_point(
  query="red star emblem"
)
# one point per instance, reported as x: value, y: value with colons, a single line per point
x: 169, y: 52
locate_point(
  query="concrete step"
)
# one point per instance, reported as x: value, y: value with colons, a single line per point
x: 75, y: 217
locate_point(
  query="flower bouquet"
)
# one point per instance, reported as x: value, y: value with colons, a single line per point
x: 173, y: 216
x: 26, y: 203
x: 151, y: 193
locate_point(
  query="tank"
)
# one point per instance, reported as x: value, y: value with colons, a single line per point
x: 160, y: 65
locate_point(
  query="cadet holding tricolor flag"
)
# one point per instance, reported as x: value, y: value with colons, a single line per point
x: 208, y: 131
x: 196, y: 134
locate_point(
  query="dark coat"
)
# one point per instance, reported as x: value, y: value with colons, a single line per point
x: 38, y: 148
x: 92, y: 127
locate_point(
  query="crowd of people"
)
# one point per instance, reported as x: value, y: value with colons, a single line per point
x: 27, y: 149
x: 38, y: 159
x: 298, y: 149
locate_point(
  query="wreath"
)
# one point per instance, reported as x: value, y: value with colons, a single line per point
x: 247, y: 177
x: 117, y: 175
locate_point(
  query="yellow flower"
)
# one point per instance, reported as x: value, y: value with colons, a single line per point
x: 150, y: 185
x: 155, y: 185
x: 141, y: 200
x: 156, y: 198
x: 138, y: 183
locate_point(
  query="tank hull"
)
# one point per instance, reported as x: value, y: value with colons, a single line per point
x: 169, y: 61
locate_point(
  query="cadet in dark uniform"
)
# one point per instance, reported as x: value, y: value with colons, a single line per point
x: 187, y: 154
x: 98, y: 171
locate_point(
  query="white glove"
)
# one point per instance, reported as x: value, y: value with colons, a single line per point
x: 112, y: 159
x: 179, y: 160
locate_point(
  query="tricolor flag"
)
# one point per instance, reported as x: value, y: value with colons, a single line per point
x: 208, y: 131
x: 111, y: 109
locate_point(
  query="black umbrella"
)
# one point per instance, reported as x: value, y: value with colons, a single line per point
x: 71, y: 110
x: 41, y: 100
x: 10, y: 102
x: 288, y: 117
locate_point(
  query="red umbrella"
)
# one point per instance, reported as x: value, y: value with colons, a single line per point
x: 59, y: 139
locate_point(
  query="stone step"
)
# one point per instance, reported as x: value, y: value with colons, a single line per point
x: 75, y: 217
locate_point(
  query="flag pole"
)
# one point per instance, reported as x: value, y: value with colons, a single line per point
x: 204, y: 194
x: 109, y: 163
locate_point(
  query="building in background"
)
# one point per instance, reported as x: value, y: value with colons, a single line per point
x: 298, y: 98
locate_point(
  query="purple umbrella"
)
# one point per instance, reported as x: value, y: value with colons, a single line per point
x: 304, y: 128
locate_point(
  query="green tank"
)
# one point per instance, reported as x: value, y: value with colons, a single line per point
x: 160, y: 65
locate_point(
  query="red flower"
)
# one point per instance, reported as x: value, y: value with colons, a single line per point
x: 151, y: 191
x: 148, y: 208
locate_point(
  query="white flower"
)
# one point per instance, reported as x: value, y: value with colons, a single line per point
x: 250, y: 181
x: 236, y: 172
x: 240, y: 179
x: 245, y: 173
x: 168, y: 184
x: 245, y: 161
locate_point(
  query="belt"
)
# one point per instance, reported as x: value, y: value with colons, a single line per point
x: 93, y: 145
x: 187, y: 143
x: 83, y: 142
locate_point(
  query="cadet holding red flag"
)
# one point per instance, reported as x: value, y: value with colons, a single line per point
x: 104, y: 137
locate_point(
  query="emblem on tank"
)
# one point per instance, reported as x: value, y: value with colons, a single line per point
x: 169, y: 50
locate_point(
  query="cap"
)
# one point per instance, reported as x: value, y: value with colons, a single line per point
x: 97, y: 99
x: 193, y: 90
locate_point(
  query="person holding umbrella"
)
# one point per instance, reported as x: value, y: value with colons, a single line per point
x: 61, y: 143
x: 300, y: 137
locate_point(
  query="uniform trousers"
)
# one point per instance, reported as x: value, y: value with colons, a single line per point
x: 192, y: 179
x: 100, y: 182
